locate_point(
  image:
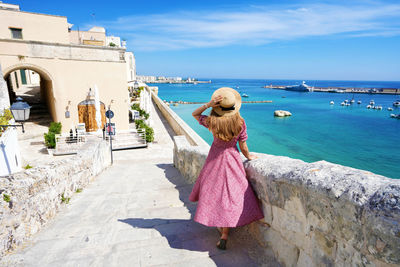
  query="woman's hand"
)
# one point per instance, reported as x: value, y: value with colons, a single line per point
x: 252, y: 156
x: 215, y: 101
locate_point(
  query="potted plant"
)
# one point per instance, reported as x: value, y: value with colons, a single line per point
x: 50, y: 136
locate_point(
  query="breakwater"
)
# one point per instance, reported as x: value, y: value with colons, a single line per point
x: 189, y: 102
x: 354, y: 90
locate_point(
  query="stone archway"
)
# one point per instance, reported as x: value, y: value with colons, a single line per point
x: 41, y: 98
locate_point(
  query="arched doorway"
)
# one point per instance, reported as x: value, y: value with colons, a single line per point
x: 35, y: 86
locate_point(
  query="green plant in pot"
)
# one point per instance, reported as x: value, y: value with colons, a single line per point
x: 50, y: 136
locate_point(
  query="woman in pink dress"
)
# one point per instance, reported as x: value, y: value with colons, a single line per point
x: 225, y: 197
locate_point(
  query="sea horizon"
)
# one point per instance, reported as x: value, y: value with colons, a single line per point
x: 286, y: 79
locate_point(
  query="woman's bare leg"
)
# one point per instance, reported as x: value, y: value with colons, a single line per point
x: 224, y: 238
x: 225, y: 232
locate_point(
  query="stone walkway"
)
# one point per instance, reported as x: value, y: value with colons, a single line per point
x: 136, y: 213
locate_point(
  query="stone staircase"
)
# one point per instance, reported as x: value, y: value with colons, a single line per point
x: 128, y: 140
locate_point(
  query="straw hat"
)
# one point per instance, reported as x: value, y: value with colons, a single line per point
x: 231, y: 102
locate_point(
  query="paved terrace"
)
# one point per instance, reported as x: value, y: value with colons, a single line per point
x: 136, y: 213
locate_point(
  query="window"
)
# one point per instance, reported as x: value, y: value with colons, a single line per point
x: 16, y: 33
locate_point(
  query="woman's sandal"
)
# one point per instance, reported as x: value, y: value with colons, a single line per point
x: 222, y: 244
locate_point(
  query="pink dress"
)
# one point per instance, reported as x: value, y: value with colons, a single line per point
x: 225, y: 197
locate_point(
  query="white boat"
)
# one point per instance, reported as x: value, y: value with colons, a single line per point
x: 342, y: 103
x: 389, y: 108
x: 372, y: 102
x: 369, y: 106
x: 352, y: 101
x: 379, y: 107
x: 395, y: 116
x: 396, y: 103
x: 331, y: 102
x: 359, y: 102
x: 303, y: 87
x: 245, y: 95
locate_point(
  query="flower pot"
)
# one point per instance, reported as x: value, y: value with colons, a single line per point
x: 51, y: 151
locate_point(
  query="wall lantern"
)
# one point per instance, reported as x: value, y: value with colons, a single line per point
x: 20, y: 111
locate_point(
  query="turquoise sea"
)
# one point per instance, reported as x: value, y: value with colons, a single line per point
x: 353, y: 136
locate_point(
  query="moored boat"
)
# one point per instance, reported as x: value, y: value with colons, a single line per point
x: 303, y: 87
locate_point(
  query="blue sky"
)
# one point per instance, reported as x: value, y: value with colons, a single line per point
x: 326, y: 40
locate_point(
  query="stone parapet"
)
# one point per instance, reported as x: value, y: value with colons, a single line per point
x: 31, y: 198
x: 177, y: 124
x: 316, y: 214
x: 45, y: 50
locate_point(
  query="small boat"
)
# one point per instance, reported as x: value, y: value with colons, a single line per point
x: 348, y: 104
x: 372, y: 102
x: 346, y: 101
x: 342, y: 103
x: 389, y: 108
x: 369, y: 106
x: 396, y: 116
x: 245, y: 95
x: 379, y: 107
x: 352, y: 101
x: 359, y: 102
x: 331, y: 102
x: 396, y: 103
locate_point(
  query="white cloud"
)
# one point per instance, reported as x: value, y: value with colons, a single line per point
x: 255, y: 25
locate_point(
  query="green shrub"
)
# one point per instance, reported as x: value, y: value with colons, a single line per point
x: 139, y: 124
x: 55, y: 127
x: 6, y: 198
x: 5, y: 119
x: 50, y: 137
x: 28, y: 167
x: 50, y: 140
x: 135, y: 106
x: 144, y: 114
x: 79, y: 190
x: 149, y: 134
x: 65, y: 199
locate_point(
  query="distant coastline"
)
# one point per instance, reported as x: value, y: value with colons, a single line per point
x: 178, y: 82
x: 359, y: 90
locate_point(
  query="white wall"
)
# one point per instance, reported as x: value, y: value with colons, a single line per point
x: 130, y: 66
x: 10, y: 155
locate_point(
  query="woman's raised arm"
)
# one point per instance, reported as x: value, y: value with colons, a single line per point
x: 213, y: 103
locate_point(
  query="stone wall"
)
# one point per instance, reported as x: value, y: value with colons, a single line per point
x: 36, y: 49
x: 316, y: 214
x: 177, y: 124
x: 29, y: 199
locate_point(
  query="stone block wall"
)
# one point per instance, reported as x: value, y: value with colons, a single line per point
x: 316, y: 214
x: 29, y: 199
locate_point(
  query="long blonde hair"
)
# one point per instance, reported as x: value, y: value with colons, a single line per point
x: 225, y: 127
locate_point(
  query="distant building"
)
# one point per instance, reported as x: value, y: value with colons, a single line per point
x: 42, y: 49
x: 94, y: 36
x: 113, y: 41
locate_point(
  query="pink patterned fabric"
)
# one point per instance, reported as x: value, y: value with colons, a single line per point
x: 225, y: 197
